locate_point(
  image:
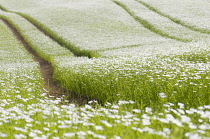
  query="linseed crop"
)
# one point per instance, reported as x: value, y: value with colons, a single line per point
x: 141, y: 84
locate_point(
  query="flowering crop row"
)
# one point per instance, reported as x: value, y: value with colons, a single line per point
x: 102, y: 25
x: 153, y: 83
x: 126, y: 75
x: 192, y: 14
x: 160, y: 24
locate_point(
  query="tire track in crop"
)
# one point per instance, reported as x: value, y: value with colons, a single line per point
x: 55, y: 37
x: 46, y: 70
x: 147, y: 25
x: 124, y: 46
x: 177, y: 21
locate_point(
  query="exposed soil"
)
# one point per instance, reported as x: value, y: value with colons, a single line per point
x: 46, y: 70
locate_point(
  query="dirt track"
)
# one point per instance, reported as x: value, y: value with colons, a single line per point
x: 46, y: 70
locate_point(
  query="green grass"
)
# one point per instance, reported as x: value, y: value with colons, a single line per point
x: 138, y: 80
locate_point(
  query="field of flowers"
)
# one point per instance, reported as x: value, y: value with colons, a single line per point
x: 143, y: 66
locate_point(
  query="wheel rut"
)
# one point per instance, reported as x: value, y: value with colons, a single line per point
x: 148, y: 25
x: 46, y: 69
x: 51, y: 34
x: 177, y: 21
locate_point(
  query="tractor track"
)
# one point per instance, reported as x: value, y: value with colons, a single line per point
x: 148, y: 25
x: 46, y: 70
x: 177, y: 21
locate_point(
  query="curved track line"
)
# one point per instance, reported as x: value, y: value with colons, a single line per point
x: 147, y: 25
x: 177, y: 21
x: 48, y: 32
x: 125, y: 46
x: 46, y: 70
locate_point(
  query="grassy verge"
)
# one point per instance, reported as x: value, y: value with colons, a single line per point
x: 140, y: 80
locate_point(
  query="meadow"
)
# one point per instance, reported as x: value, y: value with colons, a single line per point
x: 143, y: 67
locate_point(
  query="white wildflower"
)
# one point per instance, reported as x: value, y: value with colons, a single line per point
x: 63, y: 126
x: 162, y: 95
x: 181, y: 105
x: 116, y: 137
x: 185, y: 119
x: 55, y: 137
x: 99, y: 128
x: 3, y: 135
x: 136, y: 110
x: 19, y: 136
x: 115, y: 107
x: 192, y: 136
x: 148, y: 110
x: 146, y: 122
x: 167, y: 131
x: 69, y: 134
x: 106, y: 123
x: 204, y: 127
x: 99, y: 136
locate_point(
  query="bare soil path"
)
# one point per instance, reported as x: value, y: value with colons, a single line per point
x: 47, y: 70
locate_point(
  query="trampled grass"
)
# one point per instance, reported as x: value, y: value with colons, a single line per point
x: 149, y: 86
